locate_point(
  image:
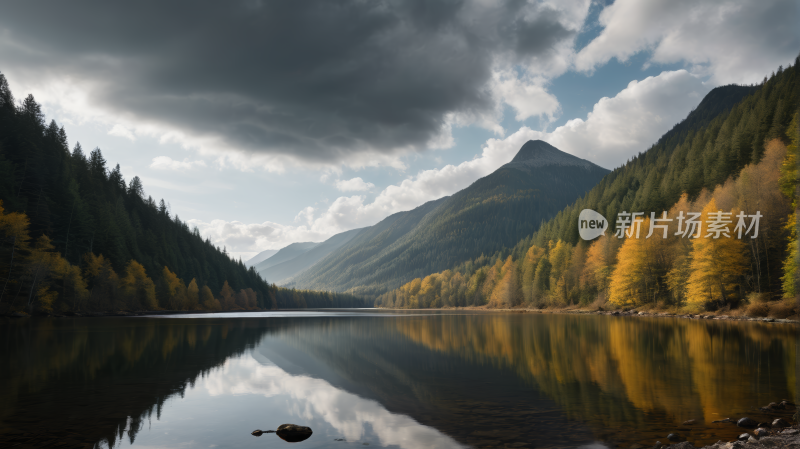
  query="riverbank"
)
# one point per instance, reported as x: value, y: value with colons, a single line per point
x: 794, y: 319
x: 788, y: 438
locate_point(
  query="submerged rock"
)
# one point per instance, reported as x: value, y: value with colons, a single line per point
x: 293, y: 433
x: 722, y: 420
x: 689, y: 422
x: 746, y: 422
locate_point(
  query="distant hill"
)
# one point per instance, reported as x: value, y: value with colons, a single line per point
x: 260, y: 257
x: 495, y: 211
x: 284, y: 254
x: 283, y: 271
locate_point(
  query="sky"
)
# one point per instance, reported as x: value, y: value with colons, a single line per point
x: 266, y: 123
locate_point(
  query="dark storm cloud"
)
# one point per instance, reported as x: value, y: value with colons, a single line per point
x: 316, y: 80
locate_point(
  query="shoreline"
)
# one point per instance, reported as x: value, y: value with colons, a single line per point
x: 573, y: 311
x: 788, y: 437
x: 628, y: 312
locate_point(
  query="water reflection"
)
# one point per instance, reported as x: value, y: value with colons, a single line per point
x: 393, y: 380
x: 314, y: 400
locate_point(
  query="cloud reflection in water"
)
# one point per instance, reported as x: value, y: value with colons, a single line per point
x: 313, y: 398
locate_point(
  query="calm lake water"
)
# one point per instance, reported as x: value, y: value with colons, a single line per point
x: 387, y: 379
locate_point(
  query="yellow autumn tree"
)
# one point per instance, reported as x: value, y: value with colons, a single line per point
x: 208, y: 300
x: 600, y: 261
x: 193, y: 295
x: 789, y: 184
x: 642, y: 264
x: 717, y: 263
x: 138, y: 288
x: 529, y: 264
x: 15, y: 238
x: 560, y: 256
x: 504, y: 293
x: 44, y: 266
x: 173, y: 291
x: 492, y: 277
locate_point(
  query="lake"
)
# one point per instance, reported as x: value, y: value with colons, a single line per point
x: 440, y: 379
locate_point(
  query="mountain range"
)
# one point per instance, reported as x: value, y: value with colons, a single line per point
x: 494, y: 212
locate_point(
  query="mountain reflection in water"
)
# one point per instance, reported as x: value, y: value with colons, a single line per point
x: 387, y: 379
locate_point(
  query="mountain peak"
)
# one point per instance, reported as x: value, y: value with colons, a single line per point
x: 538, y: 153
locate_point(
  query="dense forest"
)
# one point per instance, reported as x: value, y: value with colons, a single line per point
x: 494, y: 212
x: 741, y: 159
x: 75, y: 237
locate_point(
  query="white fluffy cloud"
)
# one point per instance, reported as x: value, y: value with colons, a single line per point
x: 528, y: 98
x: 167, y: 163
x: 619, y: 127
x: 247, y: 239
x: 731, y: 40
x: 121, y: 131
x: 353, y: 185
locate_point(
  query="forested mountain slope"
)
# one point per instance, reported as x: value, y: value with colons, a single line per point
x: 493, y: 212
x: 736, y: 152
x: 75, y: 236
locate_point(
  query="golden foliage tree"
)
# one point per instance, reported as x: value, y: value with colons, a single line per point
x: 529, y: 264
x: 193, y: 295
x: 208, y: 300
x: 601, y: 257
x: 642, y: 263
x: 138, y: 288
x: 173, y: 291
x: 717, y: 263
x: 789, y: 183
x: 505, y: 292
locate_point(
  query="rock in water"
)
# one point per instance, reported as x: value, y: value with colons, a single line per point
x: 674, y: 437
x: 760, y: 432
x: 293, y: 433
x: 780, y: 423
x: 744, y: 437
x: 690, y: 422
x: 746, y: 422
x: 259, y: 432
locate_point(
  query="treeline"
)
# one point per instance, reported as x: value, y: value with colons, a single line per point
x: 75, y: 236
x: 753, y: 146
